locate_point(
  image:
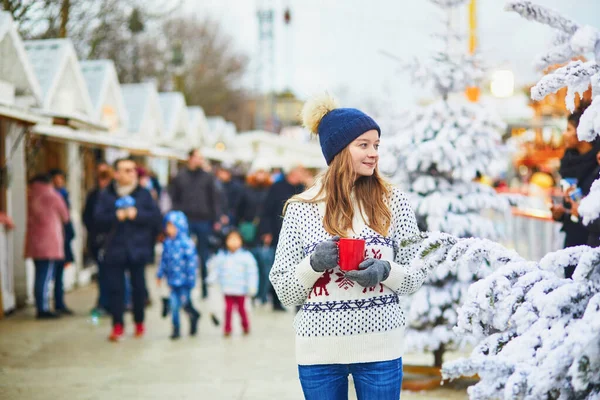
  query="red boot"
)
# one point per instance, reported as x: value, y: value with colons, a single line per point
x: 139, y: 330
x: 117, y: 333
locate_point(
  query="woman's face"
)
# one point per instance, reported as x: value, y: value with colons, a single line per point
x: 570, y: 136
x: 365, y: 153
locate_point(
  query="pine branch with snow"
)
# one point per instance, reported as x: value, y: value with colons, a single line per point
x: 576, y: 76
x: 539, y: 334
x: 542, y: 15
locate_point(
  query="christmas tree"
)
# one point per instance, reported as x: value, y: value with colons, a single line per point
x: 436, y: 153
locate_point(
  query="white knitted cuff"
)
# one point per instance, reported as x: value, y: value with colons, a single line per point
x: 305, y: 274
x: 397, y: 277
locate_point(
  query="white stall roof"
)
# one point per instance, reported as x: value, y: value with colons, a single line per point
x: 15, y: 67
x: 143, y: 109
x: 198, y: 125
x: 175, y: 116
x: 104, y: 89
x: 216, y: 130
x: 57, y: 70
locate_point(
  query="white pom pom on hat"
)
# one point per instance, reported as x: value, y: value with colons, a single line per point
x: 315, y: 109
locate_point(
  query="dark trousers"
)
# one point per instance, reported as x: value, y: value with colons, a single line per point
x: 115, y: 276
x: 59, y: 292
x: 103, y: 298
x: 276, y: 302
x: 202, y: 230
x: 44, y: 274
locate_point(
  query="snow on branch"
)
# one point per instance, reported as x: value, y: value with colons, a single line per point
x: 589, y: 207
x: 539, y: 333
x: 542, y: 15
x: 589, y: 124
x: 576, y: 76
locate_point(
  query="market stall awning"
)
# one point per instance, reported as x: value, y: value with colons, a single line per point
x: 21, y: 115
x: 66, y: 134
x: 164, y: 152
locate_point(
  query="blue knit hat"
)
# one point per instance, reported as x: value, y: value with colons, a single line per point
x: 336, y: 127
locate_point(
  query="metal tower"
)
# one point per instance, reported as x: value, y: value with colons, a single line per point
x: 266, y: 63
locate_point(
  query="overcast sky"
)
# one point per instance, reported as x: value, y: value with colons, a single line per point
x: 337, y: 44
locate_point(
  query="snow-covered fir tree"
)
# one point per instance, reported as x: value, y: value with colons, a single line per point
x: 571, y: 40
x: 435, y: 153
x: 539, y: 332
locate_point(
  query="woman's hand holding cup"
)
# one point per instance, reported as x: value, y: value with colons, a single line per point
x: 326, y: 255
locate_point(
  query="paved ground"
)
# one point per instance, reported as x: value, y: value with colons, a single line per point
x: 71, y: 359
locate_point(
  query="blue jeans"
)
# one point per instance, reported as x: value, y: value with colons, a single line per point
x: 180, y: 296
x: 59, y: 291
x: 202, y: 229
x: 263, y: 258
x: 373, y: 381
x: 44, y: 274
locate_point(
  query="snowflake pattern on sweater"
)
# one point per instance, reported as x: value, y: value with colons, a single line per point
x: 333, y: 306
x: 179, y: 261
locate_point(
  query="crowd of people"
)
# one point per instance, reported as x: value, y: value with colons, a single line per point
x: 205, y: 213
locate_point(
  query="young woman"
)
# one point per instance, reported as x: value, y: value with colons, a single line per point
x: 349, y: 322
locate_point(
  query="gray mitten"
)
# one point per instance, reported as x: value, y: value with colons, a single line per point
x: 370, y: 272
x: 325, y: 255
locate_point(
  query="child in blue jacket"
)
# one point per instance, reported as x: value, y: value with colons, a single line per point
x: 236, y: 272
x: 179, y: 265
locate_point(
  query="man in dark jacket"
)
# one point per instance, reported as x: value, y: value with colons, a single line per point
x: 95, y: 239
x: 128, y: 215
x: 272, y: 220
x: 194, y: 192
x: 233, y: 190
x: 59, y: 181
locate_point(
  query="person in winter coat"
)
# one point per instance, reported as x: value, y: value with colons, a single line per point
x: 232, y: 190
x: 249, y: 212
x: 578, y: 162
x: 179, y: 266
x: 96, y: 239
x: 194, y: 192
x: 44, y: 241
x: 349, y: 322
x: 271, y: 221
x: 594, y: 226
x: 128, y: 215
x: 236, y: 272
x: 59, y: 180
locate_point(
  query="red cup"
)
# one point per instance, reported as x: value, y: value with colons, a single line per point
x: 351, y: 253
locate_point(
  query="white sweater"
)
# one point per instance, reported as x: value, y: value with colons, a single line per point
x: 341, y: 322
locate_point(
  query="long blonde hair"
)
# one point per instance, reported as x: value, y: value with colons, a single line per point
x: 338, y: 184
